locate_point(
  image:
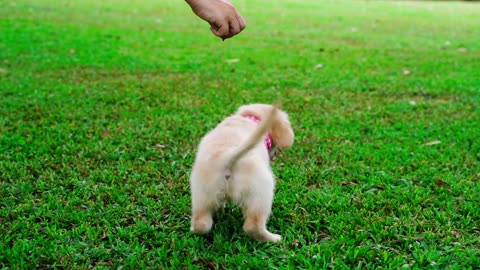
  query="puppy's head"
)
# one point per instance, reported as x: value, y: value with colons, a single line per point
x: 281, y: 131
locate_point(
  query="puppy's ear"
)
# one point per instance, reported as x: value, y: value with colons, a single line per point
x: 282, y: 133
x: 247, y: 110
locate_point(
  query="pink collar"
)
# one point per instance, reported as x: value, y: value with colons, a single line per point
x: 268, y: 138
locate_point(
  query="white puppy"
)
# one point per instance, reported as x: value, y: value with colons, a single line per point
x: 232, y: 164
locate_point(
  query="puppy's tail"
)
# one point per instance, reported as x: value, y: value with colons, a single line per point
x: 253, y: 140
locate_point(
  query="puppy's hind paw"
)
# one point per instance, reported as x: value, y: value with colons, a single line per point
x: 201, y: 226
x: 275, y: 238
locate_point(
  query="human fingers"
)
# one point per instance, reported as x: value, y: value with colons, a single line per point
x: 220, y: 29
x: 241, y: 22
x: 234, y: 27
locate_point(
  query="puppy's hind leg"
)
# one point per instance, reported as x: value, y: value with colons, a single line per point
x: 202, y: 219
x: 255, y: 226
x: 256, y: 211
x: 202, y: 209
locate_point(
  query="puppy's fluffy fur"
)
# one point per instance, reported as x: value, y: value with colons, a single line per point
x: 232, y: 164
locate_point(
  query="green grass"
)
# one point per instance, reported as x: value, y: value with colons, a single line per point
x: 102, y: 104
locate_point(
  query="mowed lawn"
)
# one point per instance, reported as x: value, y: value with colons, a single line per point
x: 102, y: 105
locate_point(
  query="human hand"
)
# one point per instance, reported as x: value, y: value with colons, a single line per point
x: 225, y: 21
